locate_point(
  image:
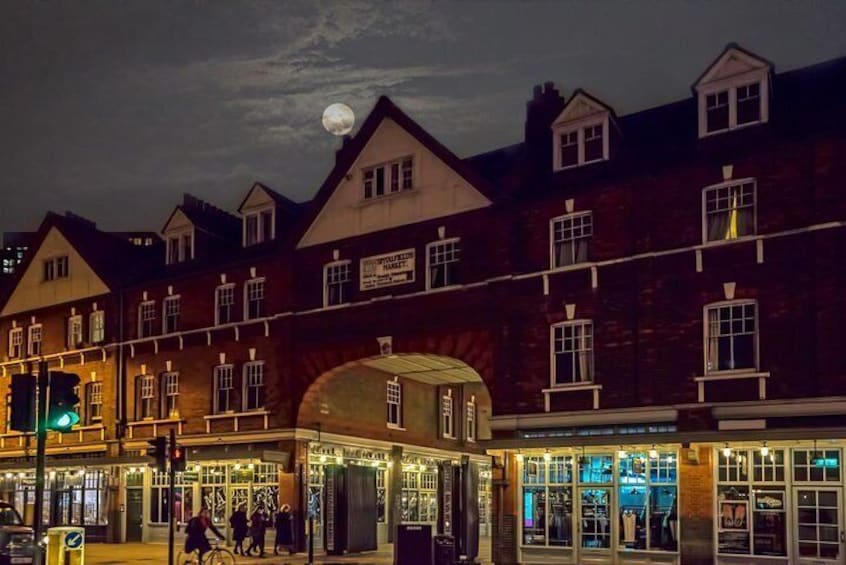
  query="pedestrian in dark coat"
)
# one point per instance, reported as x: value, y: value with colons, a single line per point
x: 284, y: 535
x: 240, y: 527
x: 258, y: 528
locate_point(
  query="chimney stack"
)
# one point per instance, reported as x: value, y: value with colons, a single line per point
x: 541, y: 111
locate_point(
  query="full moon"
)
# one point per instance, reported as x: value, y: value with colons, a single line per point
x: 338, y: 119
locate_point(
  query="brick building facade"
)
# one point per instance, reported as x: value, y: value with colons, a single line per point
x: 630, y: 323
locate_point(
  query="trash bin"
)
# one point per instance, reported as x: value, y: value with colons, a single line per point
x: 66, y: 546
x: 444, y: 550
x: 413, y: 544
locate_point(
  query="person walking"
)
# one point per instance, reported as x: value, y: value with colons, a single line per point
x: 258, y: 528
x: 240, y: 526
x: 284, y: 537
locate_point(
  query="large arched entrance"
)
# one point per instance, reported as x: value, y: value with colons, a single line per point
x: 410, y: 418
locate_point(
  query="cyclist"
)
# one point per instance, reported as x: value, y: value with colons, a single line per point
x: 195, y: 533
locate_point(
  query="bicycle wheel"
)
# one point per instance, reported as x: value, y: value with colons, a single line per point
x: 219, y: 556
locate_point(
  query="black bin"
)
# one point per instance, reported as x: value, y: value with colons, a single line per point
x: 413, y: 544
x: 444, y: 550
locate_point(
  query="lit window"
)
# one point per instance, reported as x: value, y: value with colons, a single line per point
x: 97, y: 326
x: 731, y: 337
x: 338, y: 283
x: 447, y: 420
x: 74, y: 332
x: 394, y: 396
x: 172, y: 307
x: 254, y: 385
x: 15, y: 343
x: 254, y: 299
x: 442, y: 258
x: 146, y: 394
x: 34, y: 341
x: 170, y: 395
x: 388, y: 178
x: 146, y: 318
x: 729, y: 211
x: 572, y: 353
x: 223, y: 388
x: 471, y: 419
x: 571, y: 238
x: 56, y: 268
x: 224, y: 298
x: 94, y: 402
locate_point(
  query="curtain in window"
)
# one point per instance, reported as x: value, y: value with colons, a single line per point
x: 584, y: 355
x: 718, y: 226
x: 713, y: 339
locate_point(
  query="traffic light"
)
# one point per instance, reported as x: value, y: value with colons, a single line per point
x: 22, y: 403
x: 158, y: 451
x: 177, y: 459
x: 61, y: 410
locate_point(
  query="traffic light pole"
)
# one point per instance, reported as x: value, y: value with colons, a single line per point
x: 171, y: 480
x: 40, y: 449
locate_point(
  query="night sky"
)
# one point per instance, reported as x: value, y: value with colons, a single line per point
x: 114, y: 109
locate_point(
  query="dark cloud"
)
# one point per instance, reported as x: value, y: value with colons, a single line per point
x: 113, y: 109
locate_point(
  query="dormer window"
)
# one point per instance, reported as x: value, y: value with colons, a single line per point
x: 388, y: 178
x: 259, y: 227
x: 733, y: 92
x: 180, y: 247
x: 580, y: 132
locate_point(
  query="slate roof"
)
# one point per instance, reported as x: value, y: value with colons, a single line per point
x: 209, y: 218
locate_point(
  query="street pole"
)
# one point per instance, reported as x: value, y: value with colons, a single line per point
x: 40, y: 449
x: 171, y: 481
x: 310, y: 538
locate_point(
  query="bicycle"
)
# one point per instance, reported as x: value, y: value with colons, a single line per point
x: 217, y: 555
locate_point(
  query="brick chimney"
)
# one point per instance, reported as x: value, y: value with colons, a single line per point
x: 345, y: 142
x: 541, y: 110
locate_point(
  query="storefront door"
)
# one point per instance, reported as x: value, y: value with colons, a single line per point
x: 819, y: 526
x: 134, y: 514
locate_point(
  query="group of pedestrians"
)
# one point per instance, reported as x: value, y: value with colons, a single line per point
x: 256, y: 529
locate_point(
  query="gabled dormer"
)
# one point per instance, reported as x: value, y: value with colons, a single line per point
x: 262, y: 212
x: 733, y: 92
x: 581, y: 132
x: 196, y: 228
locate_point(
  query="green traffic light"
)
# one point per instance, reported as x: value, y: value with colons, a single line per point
x: 64, y: 422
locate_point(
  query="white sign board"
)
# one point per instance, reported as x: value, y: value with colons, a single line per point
x: 390, y: 269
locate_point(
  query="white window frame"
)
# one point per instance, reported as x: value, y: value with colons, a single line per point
x: 470, y: 420
x: 259, y: 214
x: 94, y: 397
x: 388, y: 167
x: 728, y: 184
x: 147, y: 386
x: 16, y: 345
x: 452, y: 241
x: 146, y: 306
x: 182, y: 254
x: 326, y: 281
x: 170, y: 394
x: 579, y: 126
x: 731, y: 84
x: 31, y: 331
x: 394, y: 398
x: 552, y: 352
x: 97, y: 326
x: 167, y: 302
x: 220, y: 372
x: 51, y: 270
x: 447, y: 415
x: 74, y: 334
x: 552, y: 241
x: 247, y: 385
x: 706, y: 337
x: 230, y: 287
x: 247, y: 285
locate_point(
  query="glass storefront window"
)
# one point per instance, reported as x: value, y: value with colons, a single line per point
x: 648, y: 502
x: 419, y: 501
x: 596, y: 469
x: 183, y: 497
x: 71, y: 498
x: 548, y: 501
x: 751, y: 507
x: 595, y: 518
x: 816, y: 465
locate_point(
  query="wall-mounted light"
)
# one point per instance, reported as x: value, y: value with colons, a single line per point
x: 622, y: 453
x: 765, y: 450
x: 727, y: 451
x: 339, y: 460
x: 323, y: 459
x: 519, y: 457
x: 547, y: 456
x: 653, y: 453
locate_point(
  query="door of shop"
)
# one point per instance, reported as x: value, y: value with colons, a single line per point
x: 819, y: 526
x: 134, y: 514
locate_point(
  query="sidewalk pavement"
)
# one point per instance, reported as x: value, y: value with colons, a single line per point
x: 156, y: 553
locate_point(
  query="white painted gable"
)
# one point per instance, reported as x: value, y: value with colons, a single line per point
x: 733, y: 63
x: 33, y: 292
x: 439, y: 191
x: 257, y: 199
x: 580, y: 107
x: 178, y: 222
